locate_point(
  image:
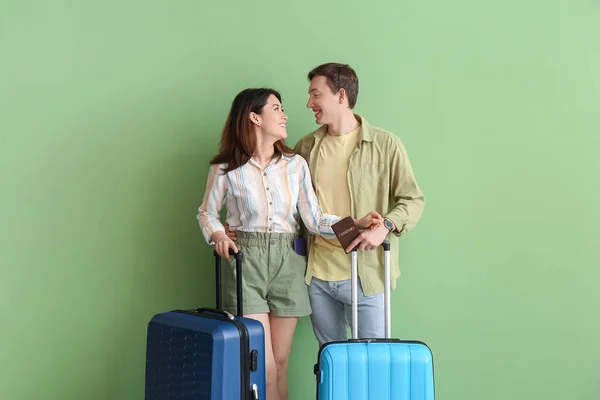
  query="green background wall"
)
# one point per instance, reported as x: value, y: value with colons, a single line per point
x: 110, y: 110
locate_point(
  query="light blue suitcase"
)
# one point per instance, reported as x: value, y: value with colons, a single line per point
x: 374, y: 369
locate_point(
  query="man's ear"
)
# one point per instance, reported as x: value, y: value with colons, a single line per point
x: 342, y: 96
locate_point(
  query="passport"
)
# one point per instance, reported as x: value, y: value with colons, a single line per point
x: 346, y: 231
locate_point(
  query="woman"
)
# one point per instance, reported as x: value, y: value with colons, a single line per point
x: 265, y: 187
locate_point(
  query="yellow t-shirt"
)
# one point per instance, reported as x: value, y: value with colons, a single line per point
x: 330, y: 262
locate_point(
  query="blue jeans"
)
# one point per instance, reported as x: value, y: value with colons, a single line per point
x: 332, y: 311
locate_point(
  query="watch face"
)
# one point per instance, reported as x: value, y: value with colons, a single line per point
x: 388, y: 224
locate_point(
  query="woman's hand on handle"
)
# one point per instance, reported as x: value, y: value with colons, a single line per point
x: 222, y: 244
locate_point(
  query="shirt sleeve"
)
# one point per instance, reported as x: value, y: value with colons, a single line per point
x: 315, y: 221
x: 214, y: 196
x: 408, y: 199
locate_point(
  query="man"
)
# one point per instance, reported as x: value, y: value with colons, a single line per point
x: 355, y: 168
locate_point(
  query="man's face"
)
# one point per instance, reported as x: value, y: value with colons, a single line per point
x: 323, y: 101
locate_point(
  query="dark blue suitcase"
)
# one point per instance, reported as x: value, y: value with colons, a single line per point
x: 206, y: 353
x: 374, y: 369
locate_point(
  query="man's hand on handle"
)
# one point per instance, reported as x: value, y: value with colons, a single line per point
x: 369, y: 239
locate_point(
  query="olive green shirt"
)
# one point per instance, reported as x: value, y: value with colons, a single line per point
x: 380, y: 178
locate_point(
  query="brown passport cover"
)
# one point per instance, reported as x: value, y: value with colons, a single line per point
x: 346, y: 231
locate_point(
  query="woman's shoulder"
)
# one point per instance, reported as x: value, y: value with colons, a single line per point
x: 219, y: 168
x: 297, y: 164
x: 297, y: 159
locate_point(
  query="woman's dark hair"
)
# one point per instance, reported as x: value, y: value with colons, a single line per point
x: 238, y: 139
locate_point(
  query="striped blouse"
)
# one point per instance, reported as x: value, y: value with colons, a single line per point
x: 263, y: 200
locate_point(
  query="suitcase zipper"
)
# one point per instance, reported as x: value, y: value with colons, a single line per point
x: 244, y: 358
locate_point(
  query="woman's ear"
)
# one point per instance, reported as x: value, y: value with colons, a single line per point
x: 254, y: 118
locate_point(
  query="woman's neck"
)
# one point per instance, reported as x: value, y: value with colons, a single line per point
x: 263, y: 154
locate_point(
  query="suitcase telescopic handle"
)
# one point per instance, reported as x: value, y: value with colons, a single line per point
x: 238, y: 272
x: 386, y: 285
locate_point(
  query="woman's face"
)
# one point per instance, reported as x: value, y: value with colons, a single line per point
x: 272, y: 120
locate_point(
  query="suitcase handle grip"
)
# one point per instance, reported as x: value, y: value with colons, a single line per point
x: 386, y: 245
x: 235, y: 255
x: 206, y: 310
x: 238, y: 269
x: 387, y: 296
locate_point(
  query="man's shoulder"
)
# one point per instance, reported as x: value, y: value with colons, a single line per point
x: 305, y: 144
x: 308, y: 138
x: 384, y: 138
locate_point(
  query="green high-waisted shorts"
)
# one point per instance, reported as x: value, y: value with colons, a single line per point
x: 272, y: 276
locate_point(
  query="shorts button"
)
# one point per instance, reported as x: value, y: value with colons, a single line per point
x: 272, y: 242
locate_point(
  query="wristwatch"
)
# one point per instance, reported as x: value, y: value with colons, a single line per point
x: 389, y: 224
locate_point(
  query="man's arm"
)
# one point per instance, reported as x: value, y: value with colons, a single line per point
x: 408, y: 201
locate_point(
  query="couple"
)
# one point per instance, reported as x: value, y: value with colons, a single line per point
x: 346, y: 167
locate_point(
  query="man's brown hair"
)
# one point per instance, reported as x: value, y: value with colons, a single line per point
x: 339, y: 76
